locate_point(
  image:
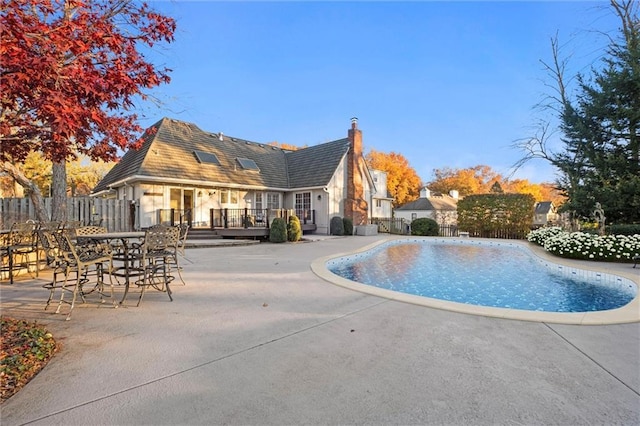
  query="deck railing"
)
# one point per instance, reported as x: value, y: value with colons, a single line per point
x: 255, y: 218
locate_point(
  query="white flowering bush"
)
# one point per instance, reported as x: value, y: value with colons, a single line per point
x: 540, y: 235
x: 581, y: 245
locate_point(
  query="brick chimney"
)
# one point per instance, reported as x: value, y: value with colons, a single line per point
x: 355, y: 206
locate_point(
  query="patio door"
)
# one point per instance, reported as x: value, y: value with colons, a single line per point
x: 181, y: 205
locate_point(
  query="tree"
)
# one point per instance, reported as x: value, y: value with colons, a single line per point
x: 71, y: 71
x: 403, y: 183
x: 286, y: 146
x: 472, y: 180
x: 599, y: 126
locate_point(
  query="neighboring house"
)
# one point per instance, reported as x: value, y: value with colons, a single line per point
x: 443, y: 208
x: 545, y: 213
x: 214, y: 180
x: 382, y: 203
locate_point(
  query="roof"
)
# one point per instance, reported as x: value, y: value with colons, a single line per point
x: 431, y: 203
x: 168, y: 151
x: 543, y: 207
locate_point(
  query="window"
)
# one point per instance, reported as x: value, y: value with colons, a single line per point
x: 247, y: 164
x: 273, y: 200
x: 229, y: 196
x: 414, y: 216
x: 258, y: 200
x: 303, y: 205
x: 206, y: 157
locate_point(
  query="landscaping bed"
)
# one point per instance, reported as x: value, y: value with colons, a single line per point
x: 25, y: 348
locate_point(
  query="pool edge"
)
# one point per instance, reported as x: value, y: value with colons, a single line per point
x: 629, y: 313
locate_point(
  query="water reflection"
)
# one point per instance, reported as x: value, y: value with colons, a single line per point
x: 484, y: 275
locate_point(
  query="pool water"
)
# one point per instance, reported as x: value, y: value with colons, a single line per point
x: 485, y: 274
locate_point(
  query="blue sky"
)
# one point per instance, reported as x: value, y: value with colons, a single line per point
x: 446, y: 84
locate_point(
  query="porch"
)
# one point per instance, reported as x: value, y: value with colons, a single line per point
x: 239, y: 223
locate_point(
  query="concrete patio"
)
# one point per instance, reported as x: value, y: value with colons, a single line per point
x: 255, y: 337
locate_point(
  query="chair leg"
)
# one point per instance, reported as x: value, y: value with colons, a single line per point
x: 76, y: 288
x: 167, y: 280
x: 52, y: 287
x: 101, y: 282
x: 64, y: 288
x: 10, y: 266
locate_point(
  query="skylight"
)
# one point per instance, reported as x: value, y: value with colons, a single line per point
x: 247, y: 164
x: 206, y: 157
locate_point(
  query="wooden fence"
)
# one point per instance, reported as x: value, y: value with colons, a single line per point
x: 116, y: 215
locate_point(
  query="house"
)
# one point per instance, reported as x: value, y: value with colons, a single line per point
x: 382, y: 202
x: 182, y: 173
x: 443, y: 208
x: 545, y: 213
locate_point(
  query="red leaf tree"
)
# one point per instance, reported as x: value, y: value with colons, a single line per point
x: 70, y: 72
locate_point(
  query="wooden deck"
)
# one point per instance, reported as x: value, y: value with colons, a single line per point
x: 248, y: 233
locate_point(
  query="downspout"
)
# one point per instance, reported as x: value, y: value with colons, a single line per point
x: 326, y: 191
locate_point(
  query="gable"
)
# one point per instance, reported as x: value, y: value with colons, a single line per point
x: 314, y: 166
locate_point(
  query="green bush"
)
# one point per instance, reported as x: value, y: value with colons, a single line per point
x: 488, y: 214
x: 336, y: 226
x: 624, y: 229
x: 425, y: 227
x: 294, y: 231
x: 278, y: 231
x: 347, y: 224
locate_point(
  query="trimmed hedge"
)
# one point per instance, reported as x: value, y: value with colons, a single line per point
x: 425, y: 226
x: 336, y: 226
x: 484, y: 214
x: 347, y: 224
x: 294, y: 231
x: 624, y: 229
x: 278, y: 231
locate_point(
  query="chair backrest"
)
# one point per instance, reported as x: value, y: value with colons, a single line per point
x: 72, y: 224
x: 49, y: 245
x: 22, y: 234
x: 50, y: 226
x: 161, y: 238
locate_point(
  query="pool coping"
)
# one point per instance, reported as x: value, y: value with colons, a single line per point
x: 629, y: 313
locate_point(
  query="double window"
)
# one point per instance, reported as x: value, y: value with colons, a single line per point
x: 269, y: 200
x: 229, y: 196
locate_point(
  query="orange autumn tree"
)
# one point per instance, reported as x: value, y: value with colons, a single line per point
x: 71, y: 72
x: 286, y: 146
x: 481, y: 179
x: 472, y: 180
x: 403, y: 183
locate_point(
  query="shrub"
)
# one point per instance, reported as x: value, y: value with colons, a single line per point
x: 336, y: 226
x: 624, y: 229
x: 586, y: 246
x: 278, y: 231
x: 347, y: 224
x: 540, y: 235
x: 425, y: 227
x: 294, y: 231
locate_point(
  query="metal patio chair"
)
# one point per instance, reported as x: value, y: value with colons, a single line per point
x: 18, y: 246
x: 86, y: 261
x: 156, y: 256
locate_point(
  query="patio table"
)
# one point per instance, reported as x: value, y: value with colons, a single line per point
x: 125, y: 238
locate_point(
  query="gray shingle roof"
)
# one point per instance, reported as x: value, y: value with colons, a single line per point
x: 168, y: 152
x: 543, y: 207
x: 432, y: 203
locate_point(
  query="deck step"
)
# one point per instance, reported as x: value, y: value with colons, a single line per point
x: 202, y: 234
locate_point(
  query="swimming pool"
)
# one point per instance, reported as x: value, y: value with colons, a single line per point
x: 501, y: 275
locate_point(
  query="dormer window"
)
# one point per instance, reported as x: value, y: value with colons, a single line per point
x: 247, y: 164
